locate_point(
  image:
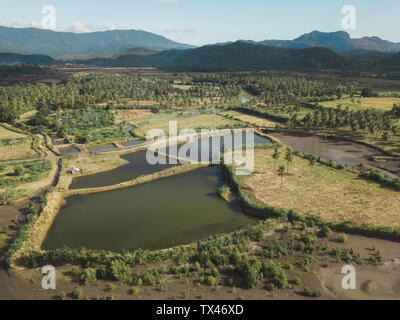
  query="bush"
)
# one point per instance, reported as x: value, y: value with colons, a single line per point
x: 342, y: 238
x: 215, y: 272
x: 148, y: 279
x: 134, y: 291
x: 250, y: 275
x: 89, y: 276
x: 210, y: 281
x: 296, y: 281
x: 325, y: 232
x: 78, y: 293
x: 62, y: 295
x: 75, y: 271
x: 120, y: 271
x: 312, y: 293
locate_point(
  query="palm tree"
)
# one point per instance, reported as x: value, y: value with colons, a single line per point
x: 312, y: 162
x: 288, y: 158
x: 276, y: 156
x: 281, y: 173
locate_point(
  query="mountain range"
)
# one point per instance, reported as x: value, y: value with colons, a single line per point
x: 131, y: 48
x: 339, y: 41
x: 68, y: 44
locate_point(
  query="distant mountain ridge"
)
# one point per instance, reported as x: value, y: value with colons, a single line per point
x: 230, y: 57
x: 68, y: 44
x: 339, y: 41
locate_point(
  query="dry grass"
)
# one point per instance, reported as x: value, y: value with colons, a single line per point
x: 19, y: 151
x: 131, y: 115
x: 8, y: 134
x: 94, y: 164
x: 161, y: 121
x: 252, y: 119
x: 385, y: 104
x: 335, y: 195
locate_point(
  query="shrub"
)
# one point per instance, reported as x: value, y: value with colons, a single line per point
x: 148, y: 279
x: 120, y: 271
x: 78, y: 293
x: 325, y: 232
x: 312, y: 293
x: 250, y: 275
x: 134, y: 291
x: 215, y: 272
x: 75, y: 270
x: 210, y: 281
x: 296, y: 281
x: 89, y: 276
x: 62, y: 295
x: 342, y: 238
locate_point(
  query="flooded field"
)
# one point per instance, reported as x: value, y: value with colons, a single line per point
x: 345, y: 152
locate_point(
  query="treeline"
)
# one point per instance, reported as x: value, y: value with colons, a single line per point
x: 274, y: 90
x: 371, y: 121
x: 82, y: 91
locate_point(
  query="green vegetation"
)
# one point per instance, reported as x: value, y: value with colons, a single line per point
x: 17, y: 173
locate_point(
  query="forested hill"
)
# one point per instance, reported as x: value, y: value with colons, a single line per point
x: 68, y: 44
x: 339, y: 41
x: 231, y: 57
x: 238, y: 56
x: 14, y: 58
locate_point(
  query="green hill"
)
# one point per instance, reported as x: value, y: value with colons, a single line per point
x: 68, y: 44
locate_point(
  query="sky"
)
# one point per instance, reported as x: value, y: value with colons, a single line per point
x: 200, y: 22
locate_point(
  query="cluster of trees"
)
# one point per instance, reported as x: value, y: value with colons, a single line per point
x: 276, y: 90
x: 368, y: 120
x: 82, y: 91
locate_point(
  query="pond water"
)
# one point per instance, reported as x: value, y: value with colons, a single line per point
x: 57, y: 141
x: 103, y: 147
x: 132, y: 143
x: 136, y: 167
x: 68, y: 150
x: 138, y: 164
x: 161, y: 214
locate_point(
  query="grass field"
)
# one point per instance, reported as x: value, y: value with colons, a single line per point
x: 149, y: 121
x: 7, y: 134
x: 335, y: 195
x: 384, y: 104
x: 21, y: 150
x: 251, y: 119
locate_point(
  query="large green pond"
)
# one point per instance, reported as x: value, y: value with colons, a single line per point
x: 157, y: 215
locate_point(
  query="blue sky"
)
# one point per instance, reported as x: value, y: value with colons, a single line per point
x: 201, y: 22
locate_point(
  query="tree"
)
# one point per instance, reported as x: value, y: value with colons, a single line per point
x: 281, y: 173
x: 312, y: 162
x: 276, y: 156
x: 288, y: 158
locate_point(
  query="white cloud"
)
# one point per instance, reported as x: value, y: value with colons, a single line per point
x: 80, y: 27
x: 110, y: 26
x: 35, y: 24
x: 169, y: 1
x: 3, y: 23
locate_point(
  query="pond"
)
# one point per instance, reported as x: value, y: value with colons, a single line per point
x: 103, y: 147
x: 158, y: 215
x: 132, y: 143
x: 68, y: 150
x: 136, y: 167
